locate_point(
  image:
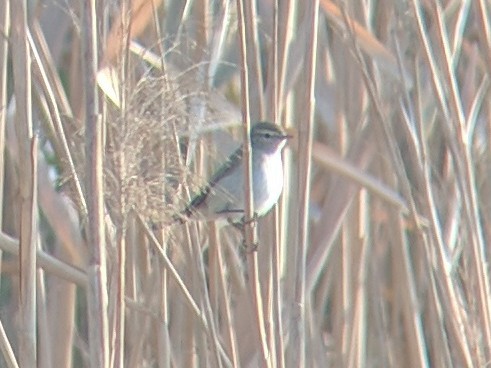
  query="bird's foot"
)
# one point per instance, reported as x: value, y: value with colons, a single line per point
x: 250, y: 249
x: 241, y: 224
x: 252, y: 220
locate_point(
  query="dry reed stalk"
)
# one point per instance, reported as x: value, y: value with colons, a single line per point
x: 27, y: 148
x: 231, y: 334
x: 305, y: 132
x: 466, y: 173
x: 45, y: 342
x: 57, y: 207
x: 97, y: 269
x: 5, y: 344
x: 277, y: 75
x: 46, y: 261
x: 4, y: 51
x: 7, y: 351
x: 246, y: 16
x: 59, y: 112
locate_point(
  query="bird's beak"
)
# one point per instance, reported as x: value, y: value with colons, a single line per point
x: 289, y: 134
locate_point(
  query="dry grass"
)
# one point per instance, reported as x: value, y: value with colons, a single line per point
x: 377, y: 255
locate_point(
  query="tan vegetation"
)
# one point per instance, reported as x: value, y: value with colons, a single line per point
x: 113, y: 113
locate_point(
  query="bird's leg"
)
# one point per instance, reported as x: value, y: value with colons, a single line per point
x: 240, y: 226
x: 251, y: 249
x: 253, y: 221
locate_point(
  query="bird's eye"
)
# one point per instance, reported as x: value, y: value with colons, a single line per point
x: 267, y: 135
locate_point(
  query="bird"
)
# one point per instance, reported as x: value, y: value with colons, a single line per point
x: 223, y: 197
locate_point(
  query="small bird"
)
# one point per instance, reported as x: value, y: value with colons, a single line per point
x: 224, y: 195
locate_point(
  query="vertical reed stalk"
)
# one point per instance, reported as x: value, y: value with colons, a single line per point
x: 97, y: 270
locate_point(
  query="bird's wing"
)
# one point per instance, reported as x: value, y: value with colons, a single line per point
x: 226, y: 169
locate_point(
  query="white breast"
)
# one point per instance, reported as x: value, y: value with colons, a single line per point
x: 266, y: 194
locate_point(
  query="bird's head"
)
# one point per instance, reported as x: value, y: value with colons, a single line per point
x: 268, y: 137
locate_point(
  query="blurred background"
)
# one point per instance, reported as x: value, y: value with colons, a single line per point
x: 113, y: 113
